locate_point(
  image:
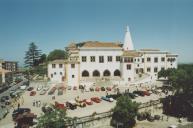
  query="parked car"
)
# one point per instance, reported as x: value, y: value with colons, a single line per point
x: 74, y: 88
x: 32, y: 93
x: 102, y: 88
x: 19, y: 111
x: 80, y: 102
x: 43, y: 92
x: 71, y: 105
x: 5, y: 99
x: 131, y: 95
x: 172, y: 126
x: 108, y: 88
x: 91, y: 89
x: 39, y: 88
x: 23, y: 87
x: 47, y: 109
x: 30, y: 88
x: 96, y: 99
x: 52, y: 91
x: 88, y: 101
x: 107, y: 99
x: 139, y: 93
x: 146, y: 93
x: 97, y: 89
x: 46, y: 88
x: 114, y: 96
x: 69, y: 87
x: 60, y: 105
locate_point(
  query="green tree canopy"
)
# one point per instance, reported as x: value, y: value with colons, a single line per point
x: 53, y: 119
x: 124, y: 112
x: 32, y: 56
x: 57, y: 54
x: 181, y: 79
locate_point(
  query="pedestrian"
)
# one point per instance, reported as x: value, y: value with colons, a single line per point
x: 18, y: 105
x: 39, y: 103
x: 34, y: 103
x: 162, y: 117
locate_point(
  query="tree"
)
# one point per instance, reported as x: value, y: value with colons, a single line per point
x: 124, y: 113
x: 53, y: 119
x: 32, y: 56
x: 43, y: 58
x: 57, y: 54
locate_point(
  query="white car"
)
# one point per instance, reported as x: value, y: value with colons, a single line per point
x: 23, y: 87
x: 172, y: 126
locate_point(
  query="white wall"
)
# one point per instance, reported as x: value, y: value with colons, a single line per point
x: 101, y: 67
x: 70, y: 72
x: 57, y: 77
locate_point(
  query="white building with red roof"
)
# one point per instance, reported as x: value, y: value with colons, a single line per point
x: 92, y: 62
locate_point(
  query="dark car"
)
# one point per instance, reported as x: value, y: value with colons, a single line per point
x: 140, y: 93
x: 131, y: 95
x: 71, y: 106
x: 30, y: 88
x: 19, y: 111
x: 4, y: 98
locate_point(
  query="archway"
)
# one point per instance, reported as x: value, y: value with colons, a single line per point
x: 117, y: 73
x: 85, y: 73
x: 96, y: 73
x: 106, y: 73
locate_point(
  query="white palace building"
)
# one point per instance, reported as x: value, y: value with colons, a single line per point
x: 94, y: 62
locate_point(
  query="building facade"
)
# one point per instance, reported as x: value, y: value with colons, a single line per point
x: 93, y: 61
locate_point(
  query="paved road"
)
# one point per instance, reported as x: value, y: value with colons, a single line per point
x: 7, y: 93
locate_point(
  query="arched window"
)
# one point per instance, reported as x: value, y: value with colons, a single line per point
x: 85, y: 73
x: 96, y: 73
x: 117, y: 73
x: 106, y: 73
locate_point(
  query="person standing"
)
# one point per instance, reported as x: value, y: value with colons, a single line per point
x: 18, y: 105
x: 34, y: 103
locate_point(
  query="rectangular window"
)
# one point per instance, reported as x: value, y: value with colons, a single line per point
x: 138, y: 60
x: 155, y: 69
x: 118, y: 58
x: 128, y: 67
x: 72, y: 65
x: 83, y: 58
x: 142, y: 60
x: 92, y: 59
x: 101, y: 59
x: 110, y: 58
x: 148, y: 69
x: 162, y: 68
x: 148, y: 59
x: 53, y: 65
x: 51, y: 75
x: 60, y: 65
x: 155, y: 59
x: 72, y: 76
x: 163, y: 59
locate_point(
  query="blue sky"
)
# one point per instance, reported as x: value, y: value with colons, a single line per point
x: 52, y: 24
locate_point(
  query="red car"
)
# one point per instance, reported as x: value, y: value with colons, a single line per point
x: 97, y: 89
x: 146, y: 93
x: 74, y: 88
x: 108, y: 88
x: 59, y: 105
x: 88, y: 102
x: 96, y: 99
x: 32, y: 93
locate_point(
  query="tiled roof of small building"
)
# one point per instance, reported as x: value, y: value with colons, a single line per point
x: 58, y: 61
x: 132, y: 53
x: 148, y: 49
x: 100, y: 44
